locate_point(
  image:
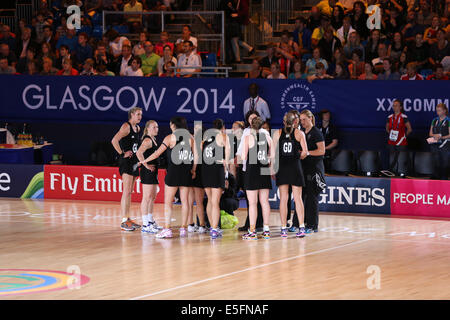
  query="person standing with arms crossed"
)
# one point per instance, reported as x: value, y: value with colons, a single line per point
x: 126, y: 142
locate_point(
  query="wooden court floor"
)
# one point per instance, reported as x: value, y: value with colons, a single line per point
x: 351, y: 257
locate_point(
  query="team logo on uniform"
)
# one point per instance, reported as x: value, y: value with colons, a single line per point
x: 26, y: 281
x: 298, y: 96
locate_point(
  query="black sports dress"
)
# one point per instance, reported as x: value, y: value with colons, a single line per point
x: 179, y: 164
x: 147, y: 176
x: 129, y: 143
x: 290, y: 168
x: 257, y: 159
x: 213, y: 173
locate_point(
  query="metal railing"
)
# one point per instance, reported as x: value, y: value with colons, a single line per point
x: 24, y: 11
x: 7, y: 16
x: 207, y: 19
x: 217, y: 71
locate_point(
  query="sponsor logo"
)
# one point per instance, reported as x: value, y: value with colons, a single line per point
x: 27, y: 281
x: 298, y: 96
x: 411, y: 104
x: 358, y: 196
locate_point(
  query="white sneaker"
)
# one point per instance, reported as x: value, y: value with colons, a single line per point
x: 201, y: 229
x: 150, y: 228
x: 156, y: 226
x: 191, y: 229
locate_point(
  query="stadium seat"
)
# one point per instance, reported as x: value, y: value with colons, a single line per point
x: 343, y: 162
x: 97, y: 32
x: 403, y: 162
x: 209, y: 60
x: 86, y: 29
x: 423, y: 163
x: 96, y: 19
x: 369, y: 162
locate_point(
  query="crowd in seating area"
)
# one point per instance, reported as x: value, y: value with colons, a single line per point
x: 333, y: 42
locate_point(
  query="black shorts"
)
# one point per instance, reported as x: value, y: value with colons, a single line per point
x: 149, y: 177
x: 126, y: 166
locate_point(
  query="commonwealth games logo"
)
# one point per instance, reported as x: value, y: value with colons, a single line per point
x: 298, y: 96
x: 26, y: 281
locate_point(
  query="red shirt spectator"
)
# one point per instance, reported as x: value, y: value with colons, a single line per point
x: 414, y: 77
x: 164, y: 40
x: 411, y: 72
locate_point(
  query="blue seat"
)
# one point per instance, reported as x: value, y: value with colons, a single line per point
x: 97, y: 32
x: 97, y: 19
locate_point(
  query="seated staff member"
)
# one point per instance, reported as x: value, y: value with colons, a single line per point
x: 126, y: 142
x: 258, y: 156
x: 330, y: 135
x: 215, y: 151
x: 180, y: 148
x: 312, y: 166
x: 149, y: 178
x: 398, y: 128
x: 287, y: 143
x: 440, y: 142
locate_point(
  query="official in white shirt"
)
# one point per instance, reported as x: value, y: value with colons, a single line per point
x: 256, y: 103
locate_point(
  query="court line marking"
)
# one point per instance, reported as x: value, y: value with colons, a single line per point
x: 247, y: 269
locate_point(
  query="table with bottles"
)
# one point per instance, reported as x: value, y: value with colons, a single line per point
x: 25, y: 151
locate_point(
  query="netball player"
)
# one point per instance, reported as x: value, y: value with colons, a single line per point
x: 291, y: 146
x: 180, y: 148
x: 197, y: 192
x: 312, y: 165
x: 126, y: 142
x: 257, y: 154
x: 215, y: 149
x: 149, y: 178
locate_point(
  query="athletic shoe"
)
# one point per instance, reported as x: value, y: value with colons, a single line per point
x: 192, y: 228
x: 292, y: 229
x: 134, y: 224
x: 311, y: 230
x: 214, y: 234
x: 250, y: 236
x: 301, y: 233
x: 201, y: 229
x: 266, y: 235
x: 150, y: 228
x: 156, y: 226
x: 183, y: 232
x: 284, y: 232
x: 164, y: 234
x: 127, y: 225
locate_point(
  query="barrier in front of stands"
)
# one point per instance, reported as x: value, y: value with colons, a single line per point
x: 22, y: 181
x: 354, y: 104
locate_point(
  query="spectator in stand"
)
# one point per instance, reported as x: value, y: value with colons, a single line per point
x: 287, y: 44
x: 297, y: 71
x: 438, y: 73
x: 31, y: 68
x: 256, y: 71
x: 314, y: 19
x: 319, y: 74
x: 328, y: 44
x: 256, y: 104
x: 39, y: 27
x: 393, y: 23
x: 352, y: 44
x: 337, y: 17
x: 102, y: 57
x: 67, y: 69
x: 341, y: 72
x: 319, y: 31
x: 21, y: 66
x: 412, y: 28
x: 134, y: 21
x: 46, y: 52
x: 389, y: 5
x: 286, y: 58
x: 338, y: 57
x: 186, y: 35
x: 5, y: 68
x: 47, y: 67
x: 440, y: 49
x: 70, y: 40
x: 359, y: 19
x: 88, y: 68
x: 397, y: 46
x: 378, y: 61
x: 63, y: 54
x: 271, y: 57
x: 138, y: 48
x: 166, y: 58
x: 26, y: 41
x: 134, y: 70
x: 189, y: 59
x: 357, y: 67
x: 5, y: 52
x: 275, y: 72
x: 124, y: 60
x: 401, y: 63
x: 326, y: 7
x: 371, y: 51
x: 302, y: 36
x: 344, y: 32
x: 102, y: 71
x: 164, y: 41
x: 430, y: 34
x: 419, y: 52
x: 424, y: 13
x: 116, y: 43
x: 49, y: 38
x: 311, y: 63
x: 388, y: 73
x: 411, y: 72
x: 149, y: 60
x: 83, y: 50
x: 168, y: 70
x: 368, y: 72
x: 8, y: 38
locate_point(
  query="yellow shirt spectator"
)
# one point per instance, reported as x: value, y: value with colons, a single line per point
x: 327, y: 9
x: 133, y: 5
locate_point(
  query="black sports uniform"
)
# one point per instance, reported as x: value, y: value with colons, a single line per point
x: 257, y: 159
x: 213, y: 173
x: 179, y: 164
x: 129, y: 143
x: 290, y: 168
x: 147, y: 176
